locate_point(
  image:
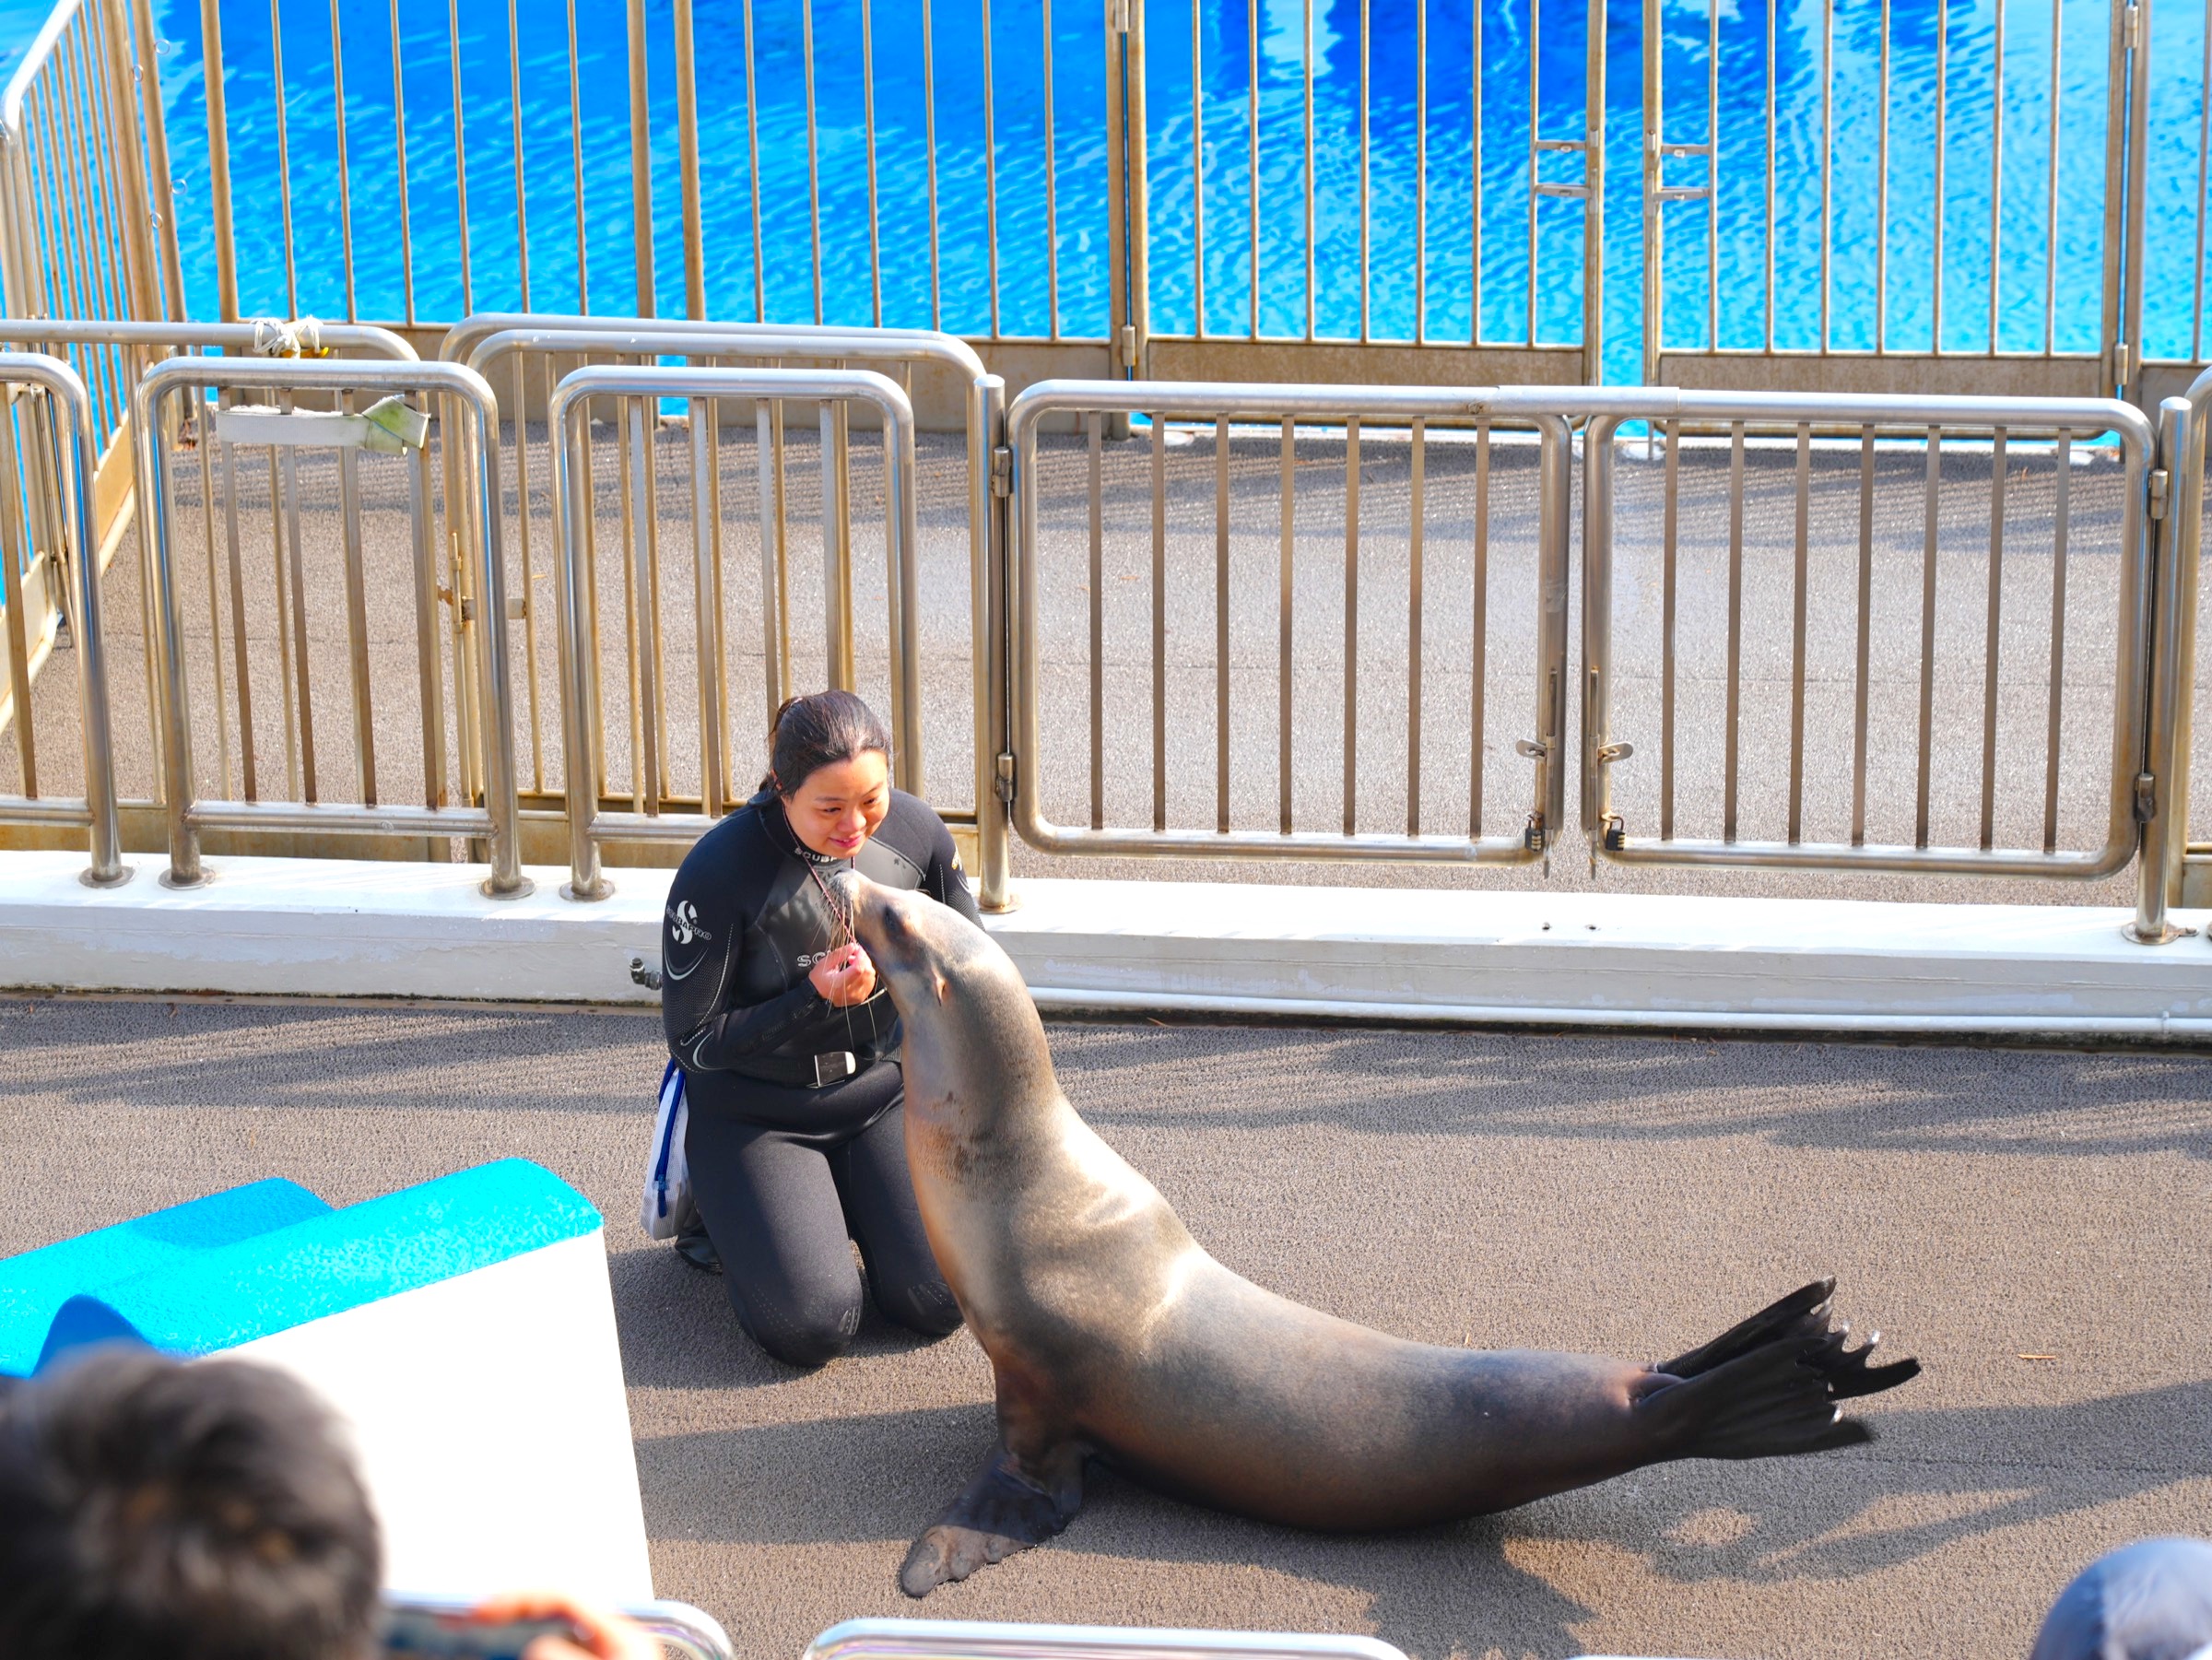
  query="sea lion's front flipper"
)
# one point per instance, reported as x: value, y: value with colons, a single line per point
x: 1009, y: 1506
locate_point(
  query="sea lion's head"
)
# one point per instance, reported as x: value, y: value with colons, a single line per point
x: 971, y: 1037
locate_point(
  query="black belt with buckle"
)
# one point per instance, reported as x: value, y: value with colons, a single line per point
x: 804, y: 1071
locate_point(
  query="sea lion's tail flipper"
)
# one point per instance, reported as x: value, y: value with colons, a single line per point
x: 1769, y: 1386
x: 1003, y: 1510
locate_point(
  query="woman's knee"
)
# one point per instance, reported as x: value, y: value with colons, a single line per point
x: 919, y: 1301
x: 799, y: 1327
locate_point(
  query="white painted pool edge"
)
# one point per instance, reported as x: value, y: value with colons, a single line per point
x: 330, y: 928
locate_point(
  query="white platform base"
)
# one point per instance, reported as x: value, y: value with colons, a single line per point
x: 331, y: 928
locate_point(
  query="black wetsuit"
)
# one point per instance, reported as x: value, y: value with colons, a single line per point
x: 796, y: 1139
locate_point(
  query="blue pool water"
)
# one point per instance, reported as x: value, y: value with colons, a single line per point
x: 1025, y: 303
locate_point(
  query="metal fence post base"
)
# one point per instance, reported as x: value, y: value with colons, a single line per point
x: 92, y: 879
x: 601, y: 889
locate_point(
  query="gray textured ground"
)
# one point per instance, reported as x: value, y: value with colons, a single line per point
x: 1619, y: 1194
x: 1960, y: 686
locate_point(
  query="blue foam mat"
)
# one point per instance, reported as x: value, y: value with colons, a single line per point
x: 216, y: 1296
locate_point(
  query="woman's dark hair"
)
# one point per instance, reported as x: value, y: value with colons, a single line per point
x: 819, y: 731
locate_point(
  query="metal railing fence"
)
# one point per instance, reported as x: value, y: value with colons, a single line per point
x: 88, y: 223
x: 1283, y: 409
x: 568, y: 422
x: 691, y: 1633
x: 1833, y: 595
x: 50, y: 434
x: 994, y: 1640
x: 466, y: 414
x: 525, y: 355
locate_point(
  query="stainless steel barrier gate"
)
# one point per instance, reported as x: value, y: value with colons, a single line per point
x: 2004, y: 423
x: 510, y: 349
x: 995, y: 1639
x: 468, y: 421
x: 53, y: 433
x: 1283, y: 408
x: 566, y: 419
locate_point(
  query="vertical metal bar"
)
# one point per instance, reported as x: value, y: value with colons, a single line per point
x: 1712, y: 171
x: 1098, y: 621
x: 284, y: 638
x: 1993, y: 639
x: 1252, y: 157
x: 1420, y: 177
x: 1942, y: 33
x: 1594, y: 196
x: 453, y: 38
x: 1735, y: 628
x: 752, y: 175
x: 296, y: 570
x: 1306, y: 63
x: 1284, y: 610
x: 1416, y: 510
x: 814, y: 160
x: 1479, y: 630
x: 284, y: 160
x: 1474, y: 202
x: 521, y: 221
x: 1798, y: 598
x: 1862, y: 686
x: 1881, y: 189
x: 990, y: 170
x: 1654, y: 177
x: 568, y: 426
x: 338, y: 97
x: 641, y: 157
x: 521, y: 498
x: 206, y: 446
x: 633, y: 601
x: 1159, y: 622
x: 2204, y: 156
x: 1828, y: 154
x: 1536, y: 126
x: 771, y: 610
x: 1927, y: 636
x: 15, y: 613
x: 590, y: 652
x: 929, y: 156
x: 718, y: 616
x: 583, y: 283
x: 247, y: 778
x: 837, y: 568
x: 422, y: 534
x: 2051, y: 169
x: 686, y: 148
x: 1772, y: 95
x: 1366, y: 274
x: 706, y: 518
x: 1351, y: 622
x: 1197, y: 174
x: 399, y: 147
x: 782, y: 546
x: 644, y: 420
x: 840, y: 464
x: 2138, y: 150
x: 1221, y: 624
x: 1996, y: 174
x: 218, y: 159
x: 1120, y: 326
x: 2062, y: 455
x: 1670, y: 557
x: 357, y: 617
x: 867, y: 107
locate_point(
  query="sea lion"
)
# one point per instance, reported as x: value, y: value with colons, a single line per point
x: 1113, y: 1335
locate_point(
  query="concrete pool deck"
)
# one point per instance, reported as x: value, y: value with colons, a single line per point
x: 1626, y: 1194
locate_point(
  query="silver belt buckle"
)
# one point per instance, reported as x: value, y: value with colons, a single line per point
x: 834, y: 1068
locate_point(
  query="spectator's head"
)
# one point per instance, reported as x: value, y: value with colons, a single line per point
x: 155, y: 1511
x: 2151, y: 1600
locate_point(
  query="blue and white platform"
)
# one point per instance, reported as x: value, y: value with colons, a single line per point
x: 464, y: 1329
x: 331, y: 928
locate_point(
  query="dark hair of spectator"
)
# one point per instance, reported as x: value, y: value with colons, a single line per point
x: 819, y: 731
x: 155, y: 1511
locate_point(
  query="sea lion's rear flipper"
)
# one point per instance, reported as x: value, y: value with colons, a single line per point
x: 1008, y: 1507
x: 1769, y: 1386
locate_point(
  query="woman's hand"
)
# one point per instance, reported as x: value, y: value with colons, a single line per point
x: 844, y: 977
x: 600, y: 1635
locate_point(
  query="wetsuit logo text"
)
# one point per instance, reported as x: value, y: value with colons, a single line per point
x: 683, y: 923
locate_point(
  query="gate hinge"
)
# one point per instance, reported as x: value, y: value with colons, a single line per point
x: 1128, y: 345
x: 1002, y: 471
x: 2120, y: 348
x: 1609, y: 753
x: 2160, y: 479
x: 2146, y: 798
x: 1117, y: 16
x: 2132, y: 27
x: 1004, y: 786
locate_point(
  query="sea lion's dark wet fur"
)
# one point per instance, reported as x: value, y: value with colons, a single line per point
x: 1111, y: 1334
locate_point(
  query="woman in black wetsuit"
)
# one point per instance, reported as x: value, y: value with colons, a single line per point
x: 790, y: 1045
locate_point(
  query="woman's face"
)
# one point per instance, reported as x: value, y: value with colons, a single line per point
x: 838, y: 807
